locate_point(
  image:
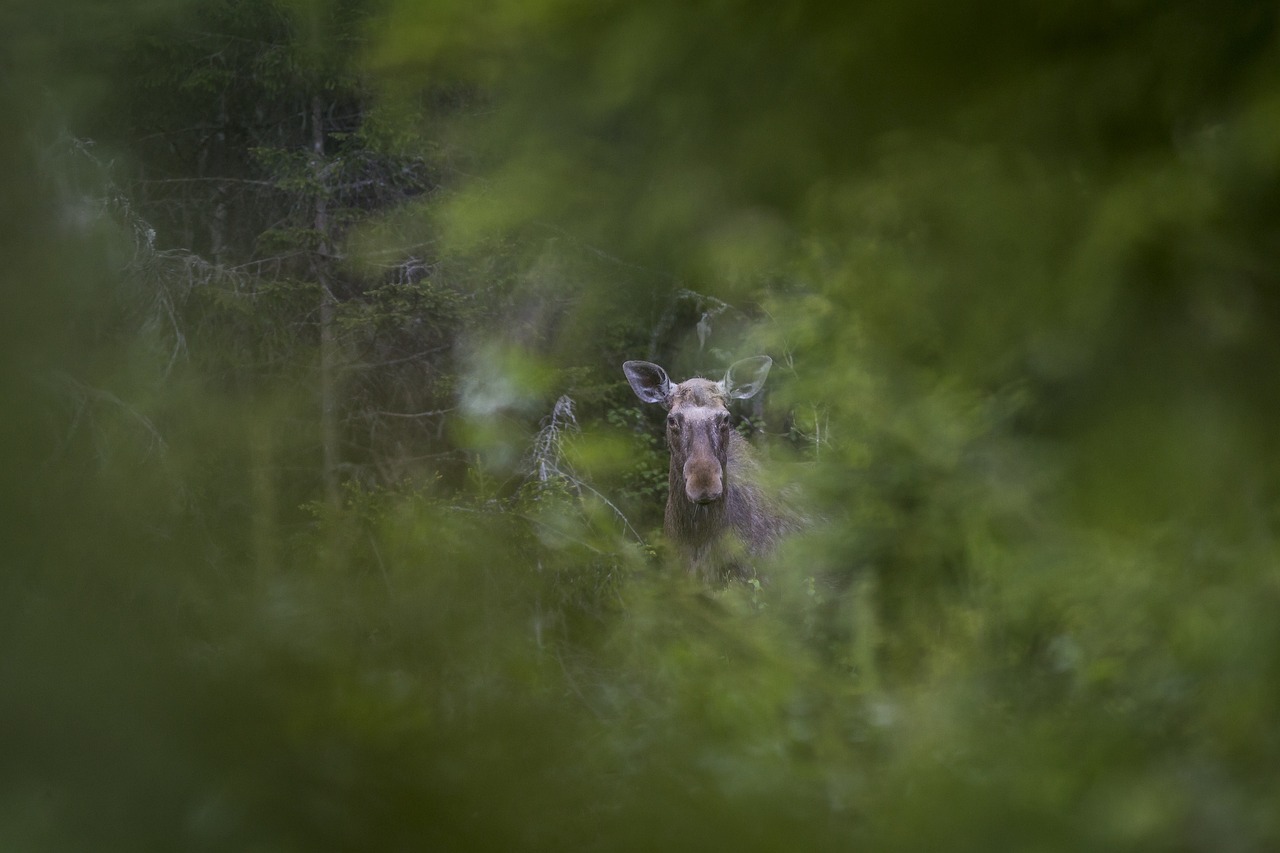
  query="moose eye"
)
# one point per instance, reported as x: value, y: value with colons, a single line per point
x: 673, y: 422
x: 723, y: 421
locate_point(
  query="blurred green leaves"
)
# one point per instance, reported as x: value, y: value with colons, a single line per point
x: 1016, y: 267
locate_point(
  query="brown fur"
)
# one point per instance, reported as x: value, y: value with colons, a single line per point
x: 717, y: 540
x: 717, y: 516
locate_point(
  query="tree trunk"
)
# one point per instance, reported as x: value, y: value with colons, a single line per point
x: 218, y: 222
x: 330, y: 451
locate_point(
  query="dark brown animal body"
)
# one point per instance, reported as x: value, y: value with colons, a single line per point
x: 717, y: 515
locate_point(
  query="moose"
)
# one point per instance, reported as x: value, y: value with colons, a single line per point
x: 717, y: 516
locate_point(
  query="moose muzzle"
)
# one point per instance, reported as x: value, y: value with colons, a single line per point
x: 703, y: 480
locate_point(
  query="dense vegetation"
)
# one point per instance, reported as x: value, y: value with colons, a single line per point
x: 331, y: 523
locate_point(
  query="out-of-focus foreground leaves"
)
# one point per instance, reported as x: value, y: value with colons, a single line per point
x: 1017, y: 268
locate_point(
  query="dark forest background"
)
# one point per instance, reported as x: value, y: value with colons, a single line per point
x: 331, y: 523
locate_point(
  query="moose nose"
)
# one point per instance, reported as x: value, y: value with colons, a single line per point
x: 703, y: 494
x: 703, y: 481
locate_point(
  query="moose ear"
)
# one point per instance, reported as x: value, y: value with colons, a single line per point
x: 745, y: 378
x: 649, y: 381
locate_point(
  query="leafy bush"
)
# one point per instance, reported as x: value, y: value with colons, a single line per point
x: 356, y: 545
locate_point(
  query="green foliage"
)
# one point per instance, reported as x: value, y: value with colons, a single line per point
x: 1016, y: 268
x: 644, y: 482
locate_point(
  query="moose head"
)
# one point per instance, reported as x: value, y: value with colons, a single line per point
x: 698, y: 430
